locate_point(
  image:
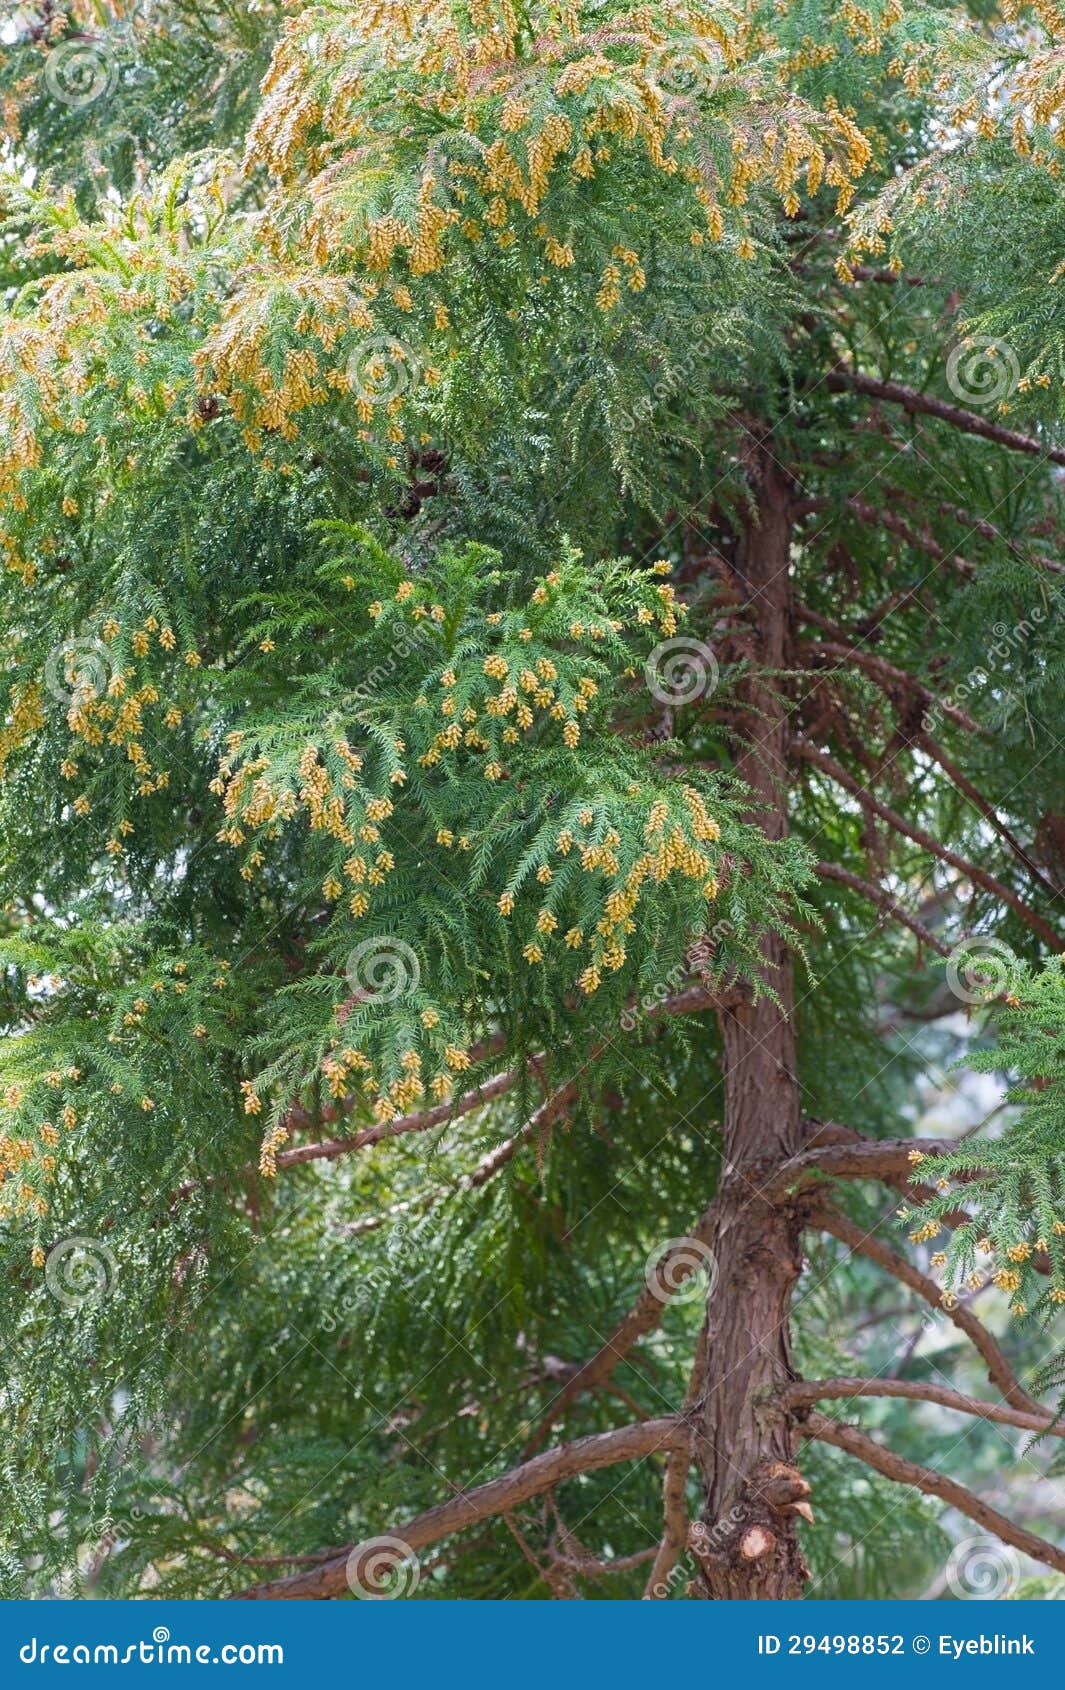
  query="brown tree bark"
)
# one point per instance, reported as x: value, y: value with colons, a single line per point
x: 746, y: 1543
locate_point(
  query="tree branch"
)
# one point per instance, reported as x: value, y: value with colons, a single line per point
x: 420, y: 1121
x: 486, y: 1169
x: 919, y: 540
x: 806, y: 1392
x: 987, y: 810
x: 863, y: 273
x: 903, y: 1181
x: 687, y: 1002
x: 998, y: 1368
x: 828, y: 766
x: 532, y: 1478
x: 843, y: 380
x: 896, y: 1467
x: 860, y: 1158
x: 646, y: 1313
x: 877, y: 895
x: 841, y: 651
x: 675, y: 1484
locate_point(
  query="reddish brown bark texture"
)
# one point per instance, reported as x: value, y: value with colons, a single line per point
x: 746, y: 1545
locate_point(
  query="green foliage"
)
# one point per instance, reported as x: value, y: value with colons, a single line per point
x: 1013, y: 1183
x: 347, y: 770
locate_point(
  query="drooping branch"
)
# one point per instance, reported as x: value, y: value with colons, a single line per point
x: 906, y: 1472
x: 835, y: 771
x: 487, y: 1168
x: 990, y: 531
x: 832, y: 1132
x: 673, y: 1268
x: 805, y: 1392
x: 987, y: 810
x: 918, y: 539
x: 496, y: 1497
x: 592, y: 1567
x: 998, y: 1368
x: 844, y: 648
x: 420, y: 1121
x: 843, y: 380
x: 691, y: 1000
x: 841, y: 651
x: 864, y: 273
x: 883, y: 900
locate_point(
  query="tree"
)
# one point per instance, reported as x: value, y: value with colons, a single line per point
x: 533, y: 648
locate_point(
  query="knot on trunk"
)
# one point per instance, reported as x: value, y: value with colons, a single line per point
x: 753, y: 1550
x: 783, y: 1489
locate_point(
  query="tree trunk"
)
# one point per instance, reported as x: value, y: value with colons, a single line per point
x: 746, y: 1543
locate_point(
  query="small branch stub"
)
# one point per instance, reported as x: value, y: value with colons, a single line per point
x: 756, y: 1542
